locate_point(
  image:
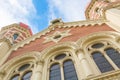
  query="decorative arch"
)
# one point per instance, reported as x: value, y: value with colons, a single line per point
x: 101, y: 50
x: 61, y: 46
x: 55, y: 56
x: 106, y: 35
x: 25, y: 62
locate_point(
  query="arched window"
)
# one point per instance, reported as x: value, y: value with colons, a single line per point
x: 114, y: 55
x: 105, y: 56
x: 69, y: 70
x: 101, y: 62
x: 24, y: 72
x: 66, y: 71
x: 15, y: 36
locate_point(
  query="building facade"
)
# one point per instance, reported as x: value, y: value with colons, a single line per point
x: 81, y: 50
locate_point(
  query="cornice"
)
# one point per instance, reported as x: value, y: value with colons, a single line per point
x: 78, y: 24
x: 63, y: 25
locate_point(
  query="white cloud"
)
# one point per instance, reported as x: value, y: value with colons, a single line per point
x: 14, y: 11
x: 70, y: 10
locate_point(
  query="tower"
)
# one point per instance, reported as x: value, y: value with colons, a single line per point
x: 104, y: 9
x: 97, y: 8
x: 12, y: 34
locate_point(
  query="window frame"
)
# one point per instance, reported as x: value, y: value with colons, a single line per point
x: 16, y: 71
x: 60, y: 62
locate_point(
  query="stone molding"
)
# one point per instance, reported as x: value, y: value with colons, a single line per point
x: 52, y: 27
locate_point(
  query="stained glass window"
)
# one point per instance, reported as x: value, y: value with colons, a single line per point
x: 114, y: 55
x: 55, y: 73
x: 69, y: 71
x: 101, y: 62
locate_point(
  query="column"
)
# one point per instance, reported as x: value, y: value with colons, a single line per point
x: 84, y: 63
x: 37, y: 73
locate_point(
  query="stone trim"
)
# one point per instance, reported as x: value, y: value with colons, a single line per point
x: 52, y: 27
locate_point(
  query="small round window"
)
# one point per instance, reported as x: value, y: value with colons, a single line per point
x: 61, y: 56
x: 97, y: 45
x: 23, y: 67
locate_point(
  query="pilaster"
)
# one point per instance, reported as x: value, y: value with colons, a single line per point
x: 37, y: 72
x: 84, y: 63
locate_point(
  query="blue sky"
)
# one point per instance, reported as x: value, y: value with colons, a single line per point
x: 38, y: 13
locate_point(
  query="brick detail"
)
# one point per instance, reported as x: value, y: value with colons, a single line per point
x: 77, y: 33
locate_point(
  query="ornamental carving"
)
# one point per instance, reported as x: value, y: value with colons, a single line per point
x: 57, y: 36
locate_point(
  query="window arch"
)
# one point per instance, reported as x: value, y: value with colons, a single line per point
x: 105, y: 56
x: 63, y: 68
x: 22, y: 72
